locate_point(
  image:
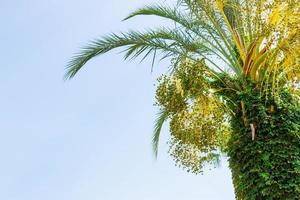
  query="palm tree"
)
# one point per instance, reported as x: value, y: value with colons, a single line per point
x: 233, y: 87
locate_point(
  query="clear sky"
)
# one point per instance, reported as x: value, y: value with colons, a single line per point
x: 88, y: 138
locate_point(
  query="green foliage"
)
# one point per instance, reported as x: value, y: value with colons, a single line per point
x: 169, y: 42
x: 267, y: 167
x: 162, y: 116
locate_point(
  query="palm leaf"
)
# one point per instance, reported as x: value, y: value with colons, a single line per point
x: 162, y: 116
x: 193, y: 26
x: 169, y: 43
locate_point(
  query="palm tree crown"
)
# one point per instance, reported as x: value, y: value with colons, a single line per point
x: 216, y: 48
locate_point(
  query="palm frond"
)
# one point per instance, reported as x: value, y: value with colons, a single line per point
x: 193, y: 26
x: 224, y: 39
x: 169, y: 42
x: 184, y: 18
x: 166, y: 41
x: 165, y: 12
x: 162, y: 116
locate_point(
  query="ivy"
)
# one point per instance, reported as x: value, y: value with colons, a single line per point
x: 268, y: 167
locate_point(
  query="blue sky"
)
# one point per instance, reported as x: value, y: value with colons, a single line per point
x: 88, y: 138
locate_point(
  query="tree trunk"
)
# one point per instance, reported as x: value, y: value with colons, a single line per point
x: 264, y: 150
